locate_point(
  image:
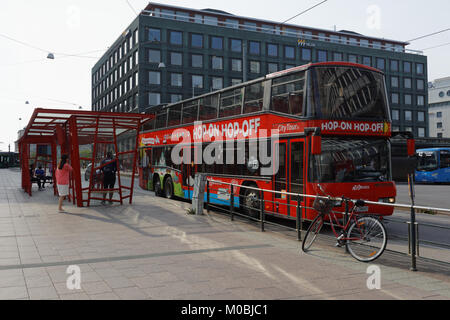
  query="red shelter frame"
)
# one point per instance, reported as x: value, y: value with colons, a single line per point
x: 68, y: 129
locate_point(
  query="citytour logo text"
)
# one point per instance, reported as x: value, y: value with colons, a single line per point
x: 231, y: 143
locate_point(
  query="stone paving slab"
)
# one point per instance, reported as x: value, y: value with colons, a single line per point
x: 154, y: 250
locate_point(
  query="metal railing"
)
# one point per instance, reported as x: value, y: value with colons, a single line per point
x: 345, y: 39
x: 225, y: 203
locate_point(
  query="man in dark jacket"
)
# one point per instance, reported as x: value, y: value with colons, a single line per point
x: 109, y: 169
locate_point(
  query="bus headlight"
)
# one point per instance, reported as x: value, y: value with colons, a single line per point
x: 387, y: 200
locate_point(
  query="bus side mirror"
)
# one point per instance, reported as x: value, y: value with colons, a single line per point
x: 316, y: 145
x: 411, y: 146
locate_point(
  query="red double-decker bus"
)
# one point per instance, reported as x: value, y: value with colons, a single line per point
x: 322, y: 123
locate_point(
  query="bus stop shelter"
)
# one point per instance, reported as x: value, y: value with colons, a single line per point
x: 86, y: 137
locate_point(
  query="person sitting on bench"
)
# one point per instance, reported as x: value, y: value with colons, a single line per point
x: 40, y: 174
x: 33, y: 178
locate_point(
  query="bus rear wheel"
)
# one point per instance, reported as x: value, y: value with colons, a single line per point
x: 157, y: 187
x: 251, y: 203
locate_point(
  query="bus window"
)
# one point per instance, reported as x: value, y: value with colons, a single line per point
x: 190, y: 111
x: 161, y: 120
x: 445, y: 159
x: 175, y: 115
x: 254, y: 95
x: 287, y: 94
x: 208, y: 108
x: 343, y: 92
x: 230, y: 103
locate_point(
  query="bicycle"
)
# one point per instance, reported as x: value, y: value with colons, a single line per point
x: 364, y: 237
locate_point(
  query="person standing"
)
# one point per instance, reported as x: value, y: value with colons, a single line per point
x: 109, y: 168
x: 62, y: 180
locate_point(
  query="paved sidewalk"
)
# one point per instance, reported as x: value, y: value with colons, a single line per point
x: 154, y: 250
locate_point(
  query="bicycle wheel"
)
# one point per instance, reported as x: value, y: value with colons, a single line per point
x: 366, y: 239
x: 312, y: 232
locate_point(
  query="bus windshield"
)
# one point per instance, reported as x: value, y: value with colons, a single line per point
x: 427, y: 161
x: 351, y: 160
x: 347, y: 93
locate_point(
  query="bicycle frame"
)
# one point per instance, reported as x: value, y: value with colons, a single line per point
x: 353, y: 217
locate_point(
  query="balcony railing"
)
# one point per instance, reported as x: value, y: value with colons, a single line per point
x: 298, y: 34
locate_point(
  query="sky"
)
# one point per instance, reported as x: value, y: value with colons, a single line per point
x: 78, y: 32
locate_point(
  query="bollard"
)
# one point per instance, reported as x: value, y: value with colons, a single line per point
x: 299, y: 220
x: 232, y: 203
x: 261, y: 212
x: 413, y: 239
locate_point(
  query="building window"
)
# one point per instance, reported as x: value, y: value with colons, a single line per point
x: 272, y: 50
x: 217, y: 83
x: 272, y: 67
x: 255, y: 48
x: 321, y: 56
x: 420, y: 84
x: 408, y: 129
x: 289, y: 52
x: 306, y: 54
x: 337, y: 56
x: 176, y: 38
x: 420, y: 101
x: 394, y: 65
x: 439, y: 115
x: 380, y: 63
x: 395, y: 115
x: 197, y: 81
x: 407, y: 83
x: 176, y: 80
x: 212, y: 21
x: 395, y: 98
x: 236, y: 81
x: 255, y: 67
x: 421, y: 116
x: 367, y: 61
x: 394, y: 82
x: 441, y: 94
x: 407, y: 67
x: 364, y: 43
x: 217, y: 43
x: 236, y: 65
x: 197, y: 61
x: 154, y: 99
x: 176, y: 58
x: 197, y: 40
x: 421, y: 132
x: 217, y: 63
x: 408, y: 99
x: 155, y: 77
x: 408, y: 115
x: 419, y: 68
x: 236, y: 45
x: 154, y: 56
x: 439, y: 125
x: 352, y: 58
x: 440, y: 135
x: 154, y: 35
x: 174, y: 98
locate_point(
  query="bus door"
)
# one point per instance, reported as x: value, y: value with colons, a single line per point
x: 296, y: 174
x: 279, y: 181
x: 189, y: 169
